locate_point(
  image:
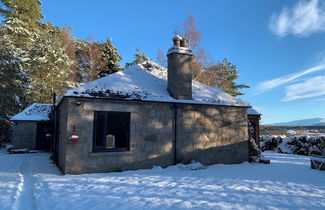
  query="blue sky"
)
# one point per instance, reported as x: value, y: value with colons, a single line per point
x: 278, y: 46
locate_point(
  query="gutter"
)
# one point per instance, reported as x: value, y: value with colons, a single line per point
x: 152, y: 101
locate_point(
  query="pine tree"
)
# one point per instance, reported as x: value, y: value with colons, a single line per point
x: 50, y: 65
x: 27, y: 11
x: 15, y: 39
x: 110, y: 57
x: 139, y: 56
x: 222, y: 75
x: 24, y: 17
x: 13, y: 81
x: 35, y: 58
x: 18, y: 33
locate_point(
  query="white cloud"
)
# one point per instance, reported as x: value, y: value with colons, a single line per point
x: 303, y: 19
x: 269, y: 84
x: 309, y: 88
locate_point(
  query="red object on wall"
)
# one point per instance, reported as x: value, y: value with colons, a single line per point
x: 74, y: 139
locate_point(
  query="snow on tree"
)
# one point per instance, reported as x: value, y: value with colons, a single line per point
x: 50, y: 65
x: 27, y: 11
x: 18, y: 33
x: 139, y: 56
x: 13, y: 81
x: 22, y: 18
x: 38, y: 59
x: 95, y: 59
x: 111, y: 58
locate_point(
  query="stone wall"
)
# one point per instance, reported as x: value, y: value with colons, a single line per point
x: 212, y: 134
x: 24, y: 134
x: 151, y: 135
x: 209, y: 134
x: 63, y: 113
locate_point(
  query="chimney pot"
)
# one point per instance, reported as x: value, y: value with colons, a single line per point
x: 177, y: 40
x: 183, y: 43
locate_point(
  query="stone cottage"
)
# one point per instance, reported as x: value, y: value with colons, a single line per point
x: 146, y: 115
x: 33, y: 128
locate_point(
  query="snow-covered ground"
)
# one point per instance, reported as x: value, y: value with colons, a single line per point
x: 31, y: 181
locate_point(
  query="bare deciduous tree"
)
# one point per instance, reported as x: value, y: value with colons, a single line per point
x: 205, y: 70
x: 90, y: 59
x: 191, y: 33
x: 162, y: 58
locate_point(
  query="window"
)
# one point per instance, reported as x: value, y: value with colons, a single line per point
x: 111, y: 131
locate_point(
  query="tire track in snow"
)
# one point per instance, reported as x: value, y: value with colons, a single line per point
x: 25, y: 196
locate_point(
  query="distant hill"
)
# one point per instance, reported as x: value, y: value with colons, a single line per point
x: 305, y: 122
x: 319, y: 124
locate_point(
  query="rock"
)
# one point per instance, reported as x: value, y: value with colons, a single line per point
x: 317, y: 164
x: 265, y: 161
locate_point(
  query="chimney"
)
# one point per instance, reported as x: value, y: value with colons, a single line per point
x: 180, y: 69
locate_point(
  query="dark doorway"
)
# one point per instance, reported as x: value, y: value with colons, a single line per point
x: 253, y: 128
x: 44, y: 136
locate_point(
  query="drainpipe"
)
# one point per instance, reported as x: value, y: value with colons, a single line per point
x: 56, y: 139
x: 54, y: 99
x: 175, y: 133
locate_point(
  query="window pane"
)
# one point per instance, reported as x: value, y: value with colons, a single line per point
x: 116, y: 124
x: 100, y: 128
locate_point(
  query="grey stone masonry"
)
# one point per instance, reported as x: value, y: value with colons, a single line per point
x: 151, y: 134
x: 205, y: 133
x: 211, y: 134
x: 180, y: 70
x: 24, y: 134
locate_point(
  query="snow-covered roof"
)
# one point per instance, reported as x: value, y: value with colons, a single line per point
x: 251, y: 111
x: 148, y: 82
x: 35, y: 112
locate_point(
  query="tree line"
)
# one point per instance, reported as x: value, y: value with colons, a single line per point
x: 38, y: 59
